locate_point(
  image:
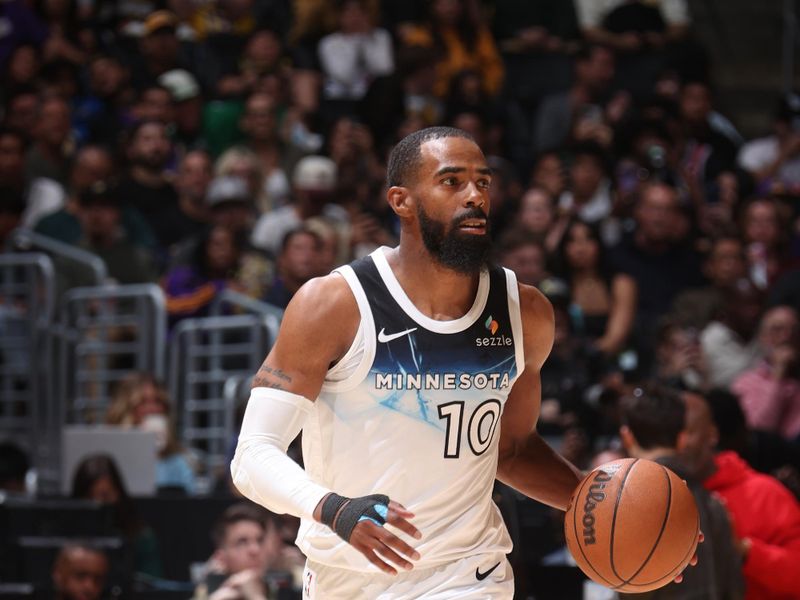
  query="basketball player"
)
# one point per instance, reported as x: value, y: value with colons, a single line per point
x: 414, y: 375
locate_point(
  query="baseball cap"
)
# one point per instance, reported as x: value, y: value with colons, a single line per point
x: 227, y: 188
x: 159, y: 20
x: 315, y: 173
x: 181, y: 84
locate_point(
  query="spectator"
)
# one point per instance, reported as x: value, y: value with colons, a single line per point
x: 147, y: 188
x: 724, y: 267
x: 14, y: 466
x: 764, y: 241
x: 680, y: 362
x: 727, y: 341
x: 159, y: 50
x: 192, y: 288
x: 297, y: 263
x: 52, y: 147
x: 314, y: 183
x: 13, y: 145
x: 141, y: 401
x: 770, y: 392
x: 154, y: 103
x: 765, y: 515
x: 593, y: 72
x: 191, y: 184
x: 521, y: 252
x: 354, y: 54
x: 23, y: 28
x: 537, y: 215
x: 79, y: 573
x: 657, y: 258
x: 534, y: 27
x: 22, y: 108
x: 604, y: 301
x: 187, y: 108
x: 104, y: 112
x: 100, y: 216
x: 248, y: 549
x: 774, y: 160
x: 589, y: 194
x: 64, y: 30
x: 12, y: 207
x: 97, y: 478
x: 656, y: 426
x: 262, y: 56
x: 461, y: 40
x: 259, y: 124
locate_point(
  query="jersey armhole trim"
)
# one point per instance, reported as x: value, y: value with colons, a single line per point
x: 365, y: 334
x: 515, y: 316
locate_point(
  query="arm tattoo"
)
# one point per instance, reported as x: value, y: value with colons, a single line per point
x: 271, y: 378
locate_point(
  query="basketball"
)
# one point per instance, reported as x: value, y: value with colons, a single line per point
x: 632, y: 525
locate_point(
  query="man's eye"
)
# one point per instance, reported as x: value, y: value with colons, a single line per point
x: 449, y: 181
x: 485, y: 184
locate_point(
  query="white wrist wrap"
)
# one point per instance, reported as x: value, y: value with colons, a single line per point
x: 261, y: 470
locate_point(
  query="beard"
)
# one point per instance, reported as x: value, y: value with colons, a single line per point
x: 464, y: 253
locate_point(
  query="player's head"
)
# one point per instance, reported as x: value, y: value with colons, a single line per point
x: 698, y: 441
x: 79, y: 573
x: 439, y: 182
x: 652, y: 419
x: 246, y: 537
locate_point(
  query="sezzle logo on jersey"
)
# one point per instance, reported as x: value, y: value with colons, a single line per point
x: 492, y: 326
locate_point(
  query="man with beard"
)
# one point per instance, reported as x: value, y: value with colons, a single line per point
x: 147, y: 189
x: 414, y: 375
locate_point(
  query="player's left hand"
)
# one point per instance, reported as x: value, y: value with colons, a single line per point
x: 693, y: 562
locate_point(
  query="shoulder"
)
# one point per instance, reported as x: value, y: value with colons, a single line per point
x: 538, y: 324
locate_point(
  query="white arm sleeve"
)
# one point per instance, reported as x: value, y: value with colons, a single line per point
x: 261, y: 470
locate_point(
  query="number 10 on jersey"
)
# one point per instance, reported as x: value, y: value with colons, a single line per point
x: 481, y: 425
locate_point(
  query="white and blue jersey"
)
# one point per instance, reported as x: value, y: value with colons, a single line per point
x: 413, y: 411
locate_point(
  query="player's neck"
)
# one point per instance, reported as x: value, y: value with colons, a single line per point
x: 438, y: 292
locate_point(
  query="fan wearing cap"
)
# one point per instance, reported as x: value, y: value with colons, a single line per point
x: 100, y: 214
x: 313, y: 190
x: 161, y: 51
x: 774, y: 160
x: 187, y: 102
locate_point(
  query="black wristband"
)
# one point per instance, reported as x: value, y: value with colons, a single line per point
x: 372, y: 508
x: 330, y: 508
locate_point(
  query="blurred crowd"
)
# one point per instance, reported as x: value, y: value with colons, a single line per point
x: 241, y: 144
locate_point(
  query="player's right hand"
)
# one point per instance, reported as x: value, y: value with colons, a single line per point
x: 380, y: 546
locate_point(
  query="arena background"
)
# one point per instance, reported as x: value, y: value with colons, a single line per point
x: 171, y: 173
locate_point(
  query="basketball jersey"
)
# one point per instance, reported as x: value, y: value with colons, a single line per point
x: 413, y: 411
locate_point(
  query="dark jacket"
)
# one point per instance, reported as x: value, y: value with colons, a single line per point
x: 718, y: 573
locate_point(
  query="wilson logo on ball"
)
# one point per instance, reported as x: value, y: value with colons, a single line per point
x: 594, y: 496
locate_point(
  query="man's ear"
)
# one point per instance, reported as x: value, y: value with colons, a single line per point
x: 401, y: 201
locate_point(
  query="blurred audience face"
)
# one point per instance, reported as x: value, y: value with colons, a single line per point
x: 698, y: 440
x: 21, y: 112
x: 92, y: 164
x: 221, y: 251
x: 12, y: 159
x: 656, y: 213
x: 150, y: 147
x: 447, y: 12
x: 263, y: 51
x: 596, y: 72
x: 586, y: 174
x: 104, y: 491
x: 726, y: 263
x: 107, y: 77
x: 742, y: 308
x: 53, y: 124
x: 549, y: 174
x: 695, y: 103
x: 258, y: 120
x: 79, y: 574
x: 155, y: 104
x: 99, y: 221
x: 527, y: 261
x: 246, y: 545
x: 779, y: 327
x: 194, y: 176
x: 160, y: 47
x: 581, y: 249
x: 23, y: 65
x: 536, y: 211
x: 353, y: 17
x: 299, y: 261
x: 761, y: 223
x: 235, y: 216
x: 150, y: 402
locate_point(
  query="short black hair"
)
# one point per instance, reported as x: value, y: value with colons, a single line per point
x: 729, y: 418
x: 236, y: 513
x: 300, y: 231
x: 405, y: 157
x: 655, y: 415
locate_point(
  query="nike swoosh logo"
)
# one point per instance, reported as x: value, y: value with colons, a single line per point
x: 481, y: 576
x: 383, y: 337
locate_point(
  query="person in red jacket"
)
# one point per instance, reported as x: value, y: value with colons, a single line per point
x: 765, y: 515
